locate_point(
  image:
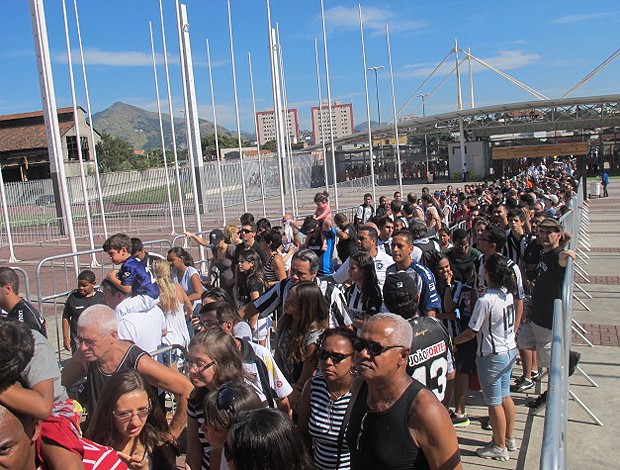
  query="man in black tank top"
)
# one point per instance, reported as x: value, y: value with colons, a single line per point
x: 101, y: 354
x: 395, y: 422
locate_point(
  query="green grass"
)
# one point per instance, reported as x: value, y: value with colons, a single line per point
x: 145, y: 196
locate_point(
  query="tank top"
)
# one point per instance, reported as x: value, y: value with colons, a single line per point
x: 269, y: 271
x: 382, y: 440
x: 324, y: 423
x: 96, y: 379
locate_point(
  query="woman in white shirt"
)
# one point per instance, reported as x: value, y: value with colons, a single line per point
x: 492, y: 322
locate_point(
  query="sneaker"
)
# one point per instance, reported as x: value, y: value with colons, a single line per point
x: 491, y: 451
x: 525, y: 384
x: 460, y: 421
x: 486, y: 424
x: 573, y: 360
x: 535, y: 375
x: 539, y: 403
x: 511, y: 444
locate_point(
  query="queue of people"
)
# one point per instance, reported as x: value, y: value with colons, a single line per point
x: 292, y: 361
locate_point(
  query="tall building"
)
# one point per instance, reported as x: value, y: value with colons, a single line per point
x: 342, y: 117
x: 267, y: 126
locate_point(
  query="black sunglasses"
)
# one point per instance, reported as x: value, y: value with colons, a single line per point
x: 225, y: 397
x: 372, y: 347
x: 336, y: 358
x: 244, y: 230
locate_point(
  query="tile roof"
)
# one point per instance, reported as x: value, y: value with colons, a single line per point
x: 27, y: 130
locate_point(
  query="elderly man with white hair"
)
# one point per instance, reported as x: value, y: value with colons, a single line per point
x: 395, y: 422
x: 102, y: 354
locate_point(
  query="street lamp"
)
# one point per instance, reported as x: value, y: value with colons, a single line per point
x: 375, y: 69
x: 424, y: 96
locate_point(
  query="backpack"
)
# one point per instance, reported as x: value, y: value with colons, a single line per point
x: 429, y: 249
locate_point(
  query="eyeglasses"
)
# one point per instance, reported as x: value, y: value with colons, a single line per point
x: 127, y: 415
x: 244, y: 230
x: 200, y: 368
x: 372, y: 347
x: 90, y: 343
x: 228, y: 453
x: 225, y: 397
x: 336, y: 358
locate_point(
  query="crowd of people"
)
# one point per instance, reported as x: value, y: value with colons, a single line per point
x: 322, y: 343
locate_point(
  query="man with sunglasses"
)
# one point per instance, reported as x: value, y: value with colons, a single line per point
x: 304, y: 267
x: 395, y: 422
x: 102, y: 354
x: 430, y: 356
x: 247, y: 233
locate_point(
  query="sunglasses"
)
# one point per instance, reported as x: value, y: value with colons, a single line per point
x: 336, y: 358
x: 372, y: 347
x: 244, y: 230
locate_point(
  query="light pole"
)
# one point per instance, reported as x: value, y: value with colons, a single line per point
x: 376, y: 69
x: 424, y: 96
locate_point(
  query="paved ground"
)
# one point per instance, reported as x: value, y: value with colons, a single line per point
x: 589, y: 446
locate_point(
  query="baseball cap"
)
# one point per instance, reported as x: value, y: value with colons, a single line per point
x: 552, y: 197
x: 550, y: 222
x: 216, y: 236
x: 242, y: 330
x: 397, y: 283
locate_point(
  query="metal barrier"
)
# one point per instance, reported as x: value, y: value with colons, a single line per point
x: 554, y: 445
x: 59, y: 270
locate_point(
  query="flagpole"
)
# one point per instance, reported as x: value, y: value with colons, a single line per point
x: 234, y: 79
x: 260, y: 168
x: 92, y: 130
x: 320, y: 117
x: 215, y: 135
x: 78, y: 141
x: 161, y: 129
x: 395, y: 117
x: 372, y: 160
x: 171, y: 113
x: 329, y: 106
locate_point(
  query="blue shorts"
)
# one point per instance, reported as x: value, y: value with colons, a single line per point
x: 494, y: 373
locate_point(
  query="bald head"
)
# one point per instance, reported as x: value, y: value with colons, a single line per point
x: 396, y: 328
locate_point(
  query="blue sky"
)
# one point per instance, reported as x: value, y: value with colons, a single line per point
x: 548, y: 45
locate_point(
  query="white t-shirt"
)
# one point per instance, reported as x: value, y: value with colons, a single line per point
x: 144, y: 329
x: 277, y: 381
x: 493, y: 320
x: 382, y: 262
x: 177, y: 327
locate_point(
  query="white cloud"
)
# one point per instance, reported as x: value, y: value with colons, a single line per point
x: 572, y: 19
x: 113, y: 58
x: 375, y: 19
x: 504, y: 60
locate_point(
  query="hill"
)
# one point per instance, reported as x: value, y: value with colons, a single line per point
x: 363, y: 127
x: 140, y: 128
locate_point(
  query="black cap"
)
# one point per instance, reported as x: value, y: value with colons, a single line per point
x: 397, y: 283
x: 216, y: 236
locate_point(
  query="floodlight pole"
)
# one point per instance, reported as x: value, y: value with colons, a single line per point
x: 395, y: 116
x: 424, y: 96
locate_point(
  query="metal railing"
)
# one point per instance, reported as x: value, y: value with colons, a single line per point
x: 554, y: 445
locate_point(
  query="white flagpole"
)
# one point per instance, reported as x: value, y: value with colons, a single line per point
x: 7, y: 222
x: 320, y: 117
x: 171, y: 113
x: 234, y: 79
x: 329, y: 106
x: 92, y: 130
x: 286, y: 127
x: 372, y: 160
x: 395, y: 117
x: 78, y: 141
x: 161, y: 129
x: 274, y: 90
x: 260, y: 167
x: 188, y: 126
x: 50, y: 115
x: 471, y: 78
x: 215, y: 134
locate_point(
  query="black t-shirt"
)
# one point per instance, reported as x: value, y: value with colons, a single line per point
x: 248, y: 286
x: 264, y: 256
x: 75, y: 305
x: 548, y: 287
x: 25, y: 312
x: 349, y: 246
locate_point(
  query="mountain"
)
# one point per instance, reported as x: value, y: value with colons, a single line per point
x: 363, y: 127
x: 141, y: 128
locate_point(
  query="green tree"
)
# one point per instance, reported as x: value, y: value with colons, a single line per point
x: 208, y: 144
x: 114, y: 154
x: 270, y: 145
